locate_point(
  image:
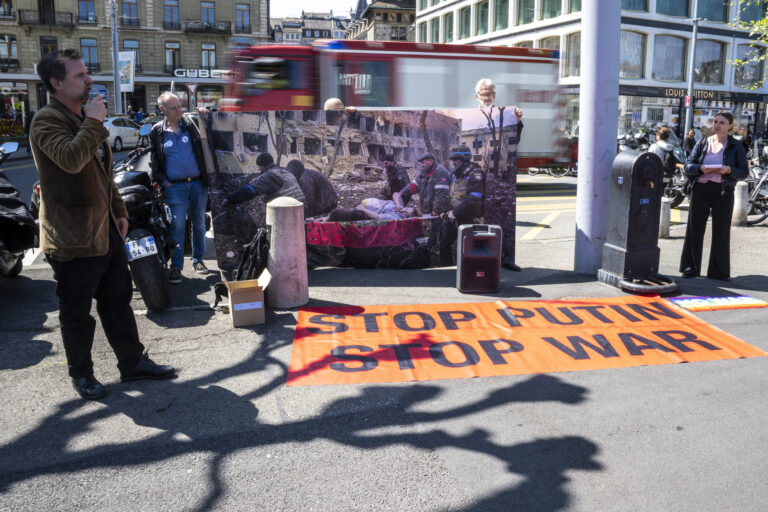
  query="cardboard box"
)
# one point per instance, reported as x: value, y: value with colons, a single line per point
x: 246, y: 300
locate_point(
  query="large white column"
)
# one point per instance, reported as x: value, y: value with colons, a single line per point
x: 598, y: 121
x: 287, y: 260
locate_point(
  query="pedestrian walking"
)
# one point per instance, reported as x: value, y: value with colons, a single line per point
x: 83, y: 222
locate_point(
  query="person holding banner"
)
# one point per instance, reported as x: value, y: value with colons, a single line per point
x: 179, y: 167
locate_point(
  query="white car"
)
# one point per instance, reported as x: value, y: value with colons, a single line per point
x: 122, y: 132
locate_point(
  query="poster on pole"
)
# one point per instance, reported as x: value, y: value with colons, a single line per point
x: 125, y: 64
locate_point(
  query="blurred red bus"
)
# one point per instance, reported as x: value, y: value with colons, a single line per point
x: 377, y: 75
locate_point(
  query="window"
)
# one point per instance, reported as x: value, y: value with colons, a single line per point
x: 669, y: 56
x: 172, y: 56
x: 435, y: 2
x: 751, y: 12
x: 573, y: 54
x: 448, y: 28
x: 635, y: 5
x: 434, y: 30
x: 524, y: 44
x: 171, y: 13
x: 465, y: 23
x: 708, y: 64
x: 500, y: 14
x: 48, y: 45
x: 422, y: 4
x: 312, y: 146
x: 750, y: 73
x: 481, y: 18
x: 209, y: 56
x: 132, y: 44
x: 208, y: 13
x: 714, y: 10
x: 242, y: 18
x: 6, y: 9
x: 9, y: 56
x: 88, y: 47
x: 130, y: 12
x: 423, y: 32
x: 672, y: 7
x: 525, y: 10
x: 631, y: 55
x: 551, y: 9
x: 86, y: 11
x: 574, y: 6
x: 550, y: 43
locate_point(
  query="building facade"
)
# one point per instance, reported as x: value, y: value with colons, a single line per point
x: 310, y: 26
x: 175, y: 42
x: 385, y: 20
x: 655, y: 41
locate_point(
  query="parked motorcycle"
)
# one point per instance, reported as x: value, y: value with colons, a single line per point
x: 18, y: 230
x: 148, y: 244
x: 758, y: 190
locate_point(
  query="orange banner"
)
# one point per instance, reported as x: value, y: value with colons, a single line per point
x: 363, y: 344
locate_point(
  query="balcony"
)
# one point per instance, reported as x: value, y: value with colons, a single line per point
x: 9, y: 63
x: 7, y: 15
x: 170, y: 68
x: 173, y: 25
x: 242, y: 29
x: 93, y: 66
x: 32, y: 17
x: 218, y: 27
x: 129, y: 22
x: 85, y: 20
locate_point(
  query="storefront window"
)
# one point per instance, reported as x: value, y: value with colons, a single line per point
x: 713, y: 10
x: 551, y: 9
x: 632, y: 55
x: 481, y: 18
x: 672, y: 7
x: 750, y: 11
x: 634, y: 5
x: 501, y: 14
x: 465, y: 23
x: 14, y: 109
x: 573, y: 55
x: 749, y: 71
x: 638, y: 112
x: 434, y: 29
x: 448, y: 28
x: 525, y: 11
x: 708, y: 65
x: 669, y: 55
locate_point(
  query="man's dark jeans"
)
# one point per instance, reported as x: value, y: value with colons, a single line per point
x: 107, y: 279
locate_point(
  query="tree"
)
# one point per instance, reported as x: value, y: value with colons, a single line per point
x: 749, y: 66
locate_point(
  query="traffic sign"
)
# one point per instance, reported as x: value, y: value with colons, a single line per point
x: 191, y: 88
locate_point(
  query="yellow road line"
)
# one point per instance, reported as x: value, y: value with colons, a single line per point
x: 675, y: 216
x: 535, y: 230
x: 546, y: 207
x: 533, y: 199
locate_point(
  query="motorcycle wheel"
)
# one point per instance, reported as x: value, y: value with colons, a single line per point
x: 533, y: 171
x: 149, y: 277
x: 558, y: 172
x: 757, y: 213
x: 15, y: 269
x: 677, y: 200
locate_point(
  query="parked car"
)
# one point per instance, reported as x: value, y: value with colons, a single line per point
x: 123, y: 132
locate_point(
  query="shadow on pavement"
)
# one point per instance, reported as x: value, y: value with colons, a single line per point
x: 27, y: 301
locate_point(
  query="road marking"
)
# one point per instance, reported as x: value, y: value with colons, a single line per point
x: 675, y: 216
x: 546, y: 207
x: 534, y: 231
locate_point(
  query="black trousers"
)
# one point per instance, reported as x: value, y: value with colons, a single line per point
x: 705, y: 198
x: 108, y: 280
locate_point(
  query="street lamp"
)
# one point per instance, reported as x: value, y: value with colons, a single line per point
x: 691, y: 59
x: 115, y: 68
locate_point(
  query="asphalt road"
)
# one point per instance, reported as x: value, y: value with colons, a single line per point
x: 229, y: 435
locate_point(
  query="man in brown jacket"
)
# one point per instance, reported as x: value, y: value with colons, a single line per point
x: 82, y: 224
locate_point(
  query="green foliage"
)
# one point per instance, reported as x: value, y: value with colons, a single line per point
x: 756, y: 27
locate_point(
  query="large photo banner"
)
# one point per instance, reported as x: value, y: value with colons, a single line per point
x: 381, y: 189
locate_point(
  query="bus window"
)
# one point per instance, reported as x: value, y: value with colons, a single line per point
x: 269, y: 73
x: 364, y: 83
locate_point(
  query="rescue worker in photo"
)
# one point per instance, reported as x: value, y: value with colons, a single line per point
x: 397, y: 177
x: 467, y: 195
x: 433, y: 184
x: 500, y: 162
x: 273, y: 182
x: 319, y: 195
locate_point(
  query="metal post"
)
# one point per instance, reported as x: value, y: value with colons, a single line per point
x: 115, y: 68
x: 691, y: 59
x: 598, y: 122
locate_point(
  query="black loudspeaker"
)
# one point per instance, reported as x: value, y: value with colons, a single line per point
x: 478, y: 267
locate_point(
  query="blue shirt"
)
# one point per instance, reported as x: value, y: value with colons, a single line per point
x: 180, y: 162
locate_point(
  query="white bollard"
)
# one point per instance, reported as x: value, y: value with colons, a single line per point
x: 287, y: 261
x: 740, y: 204
x: 665, y: 217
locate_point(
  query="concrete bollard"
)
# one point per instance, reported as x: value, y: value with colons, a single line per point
x: 287, y: 261
x: 740, y: 204
x: 665, y: 217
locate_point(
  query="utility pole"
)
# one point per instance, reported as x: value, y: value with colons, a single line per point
x: 691, y: 59
x: 598, y: 122
x: 115, y: 63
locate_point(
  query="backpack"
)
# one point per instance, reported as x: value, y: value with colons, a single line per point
x: 254, y: 258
